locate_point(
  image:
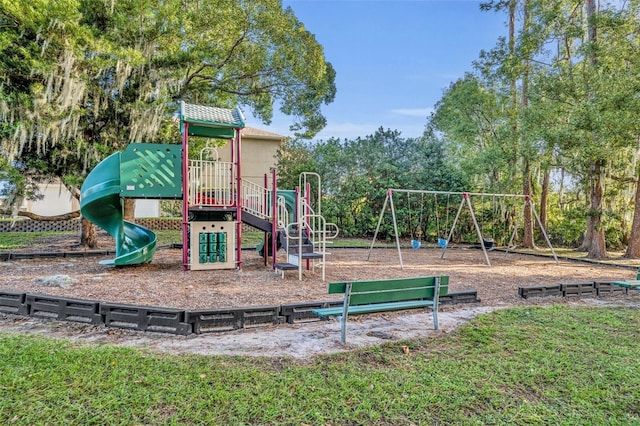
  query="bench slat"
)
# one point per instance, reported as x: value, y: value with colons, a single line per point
x: 377, y: 307
x: 627, y: 284
x: 390, y: 295
x: 371, y: 285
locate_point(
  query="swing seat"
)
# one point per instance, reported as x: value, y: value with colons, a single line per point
x: 488, y: 244
x: 415, y: 244
x: 442, y: 243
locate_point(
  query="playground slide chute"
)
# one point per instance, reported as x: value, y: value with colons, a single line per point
x: 101, y: 204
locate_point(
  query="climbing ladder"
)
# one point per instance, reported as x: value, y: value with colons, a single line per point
x: 305, y: 239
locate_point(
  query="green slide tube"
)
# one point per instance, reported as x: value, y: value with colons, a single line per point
x: 101, y: 204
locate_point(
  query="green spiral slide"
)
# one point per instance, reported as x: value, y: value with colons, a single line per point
x: 101, y: 204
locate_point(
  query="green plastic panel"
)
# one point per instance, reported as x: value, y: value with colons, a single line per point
x: 210, y: 122
x: 100, y: 203
x: 150, y: 170
x: 211, y: 132
x: 212, y: 247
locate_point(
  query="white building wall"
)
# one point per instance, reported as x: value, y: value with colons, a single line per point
x: 57, y: 200
x: 147, y: 208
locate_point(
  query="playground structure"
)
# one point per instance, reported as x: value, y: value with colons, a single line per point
x: 216, y: 201
x: 465, y: 202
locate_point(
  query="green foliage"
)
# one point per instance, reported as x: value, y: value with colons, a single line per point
x: 356, y: 175
x: 471, y: 119
x: 566, y: 226
x: 84, y: 78
x: 567, y: 109
x: 529, y: 365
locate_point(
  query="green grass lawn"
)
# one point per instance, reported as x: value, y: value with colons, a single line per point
x: 19, y: 240
x: 533, y: 365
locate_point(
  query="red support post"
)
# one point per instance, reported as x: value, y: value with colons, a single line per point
x: 265, y: 239
x: 297, y: 206
x: 307, y: 196
x: 238, y: 201
x: 185, y: 197
x: 274, y: 218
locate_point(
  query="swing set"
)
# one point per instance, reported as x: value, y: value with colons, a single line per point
x: 443, y: 240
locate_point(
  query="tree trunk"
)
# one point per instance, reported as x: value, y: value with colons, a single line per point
x: 586, y: 237
x: 594, y: 241
x: 34, y: 216
x: 633, y: 249
x: 129, y: 209
x: 514, y: 86
x: 527, y: 239
x: 88, y: 234
x: 544, y: 197
x: 595, y: 231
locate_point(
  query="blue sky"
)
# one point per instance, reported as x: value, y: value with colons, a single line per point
x: 393, y: 58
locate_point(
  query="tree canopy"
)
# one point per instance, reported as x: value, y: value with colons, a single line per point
x: 357, y: 173
x: 82, y: 78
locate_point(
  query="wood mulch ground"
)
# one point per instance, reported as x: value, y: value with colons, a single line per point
x: 164, y: 283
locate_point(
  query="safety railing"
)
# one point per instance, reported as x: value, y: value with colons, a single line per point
x: 283, y: 219
x: 318, y: 228
x: 211, y: 183
x: 255, y: 199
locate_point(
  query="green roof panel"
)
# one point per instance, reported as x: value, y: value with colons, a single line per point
x: 211, y: 122
x: 211, y: 132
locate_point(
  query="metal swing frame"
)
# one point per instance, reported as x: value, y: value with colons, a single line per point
x: 466, y: 201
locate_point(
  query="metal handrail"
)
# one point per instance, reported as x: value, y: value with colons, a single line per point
x: 255, y: 199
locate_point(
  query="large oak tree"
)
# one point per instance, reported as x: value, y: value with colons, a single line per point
x: 80, y: 79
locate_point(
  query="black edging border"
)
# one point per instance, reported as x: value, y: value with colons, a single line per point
x: 582, y: 289
x: 171, y: 320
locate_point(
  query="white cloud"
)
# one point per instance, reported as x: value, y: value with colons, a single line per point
x: 413, y: 112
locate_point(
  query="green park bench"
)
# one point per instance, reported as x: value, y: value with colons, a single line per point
x: 630, y: 284
x: 364, y: 297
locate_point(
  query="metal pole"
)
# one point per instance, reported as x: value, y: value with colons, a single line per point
x: 309, y: 228
x: 395, y: 228
x: 419, y: 191
x: 239, y: 201
x: 475, y: 223
x: 453, y: 226
x: 185, y: 195
x: 375, y: 234
x: 544, y: 232
x: 265, y: 203
x: 274, y: 219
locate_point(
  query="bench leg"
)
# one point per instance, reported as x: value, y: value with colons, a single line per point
x: 435, y: 317
x: 436, y: 302
x: 343, y: 329
x: 345, y: 314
